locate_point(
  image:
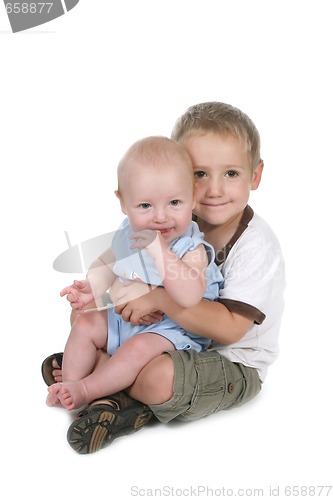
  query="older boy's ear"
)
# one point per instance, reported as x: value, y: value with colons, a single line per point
x: 256, y: 178
x: 122, y: 204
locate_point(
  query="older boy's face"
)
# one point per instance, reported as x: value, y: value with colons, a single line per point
x: 223, y: 175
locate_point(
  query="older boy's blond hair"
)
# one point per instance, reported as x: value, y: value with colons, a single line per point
x: 222, y: 119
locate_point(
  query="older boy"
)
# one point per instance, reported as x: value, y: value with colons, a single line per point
x: 244, y: 323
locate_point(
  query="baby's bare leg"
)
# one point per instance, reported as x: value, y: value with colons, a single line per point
x: 101, y: 357
x: 117, y: 373
x: 87, y: 336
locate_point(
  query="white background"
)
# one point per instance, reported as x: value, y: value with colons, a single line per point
x: 74, y: 94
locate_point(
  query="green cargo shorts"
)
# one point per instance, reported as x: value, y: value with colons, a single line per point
x: 205, y: 383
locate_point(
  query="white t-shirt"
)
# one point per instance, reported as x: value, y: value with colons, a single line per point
x: 254, y: 282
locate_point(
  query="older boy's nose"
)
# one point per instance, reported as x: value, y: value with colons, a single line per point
x: 215, y: 188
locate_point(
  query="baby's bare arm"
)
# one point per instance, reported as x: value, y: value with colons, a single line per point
x: 184, y: 279
x: 101, y: 275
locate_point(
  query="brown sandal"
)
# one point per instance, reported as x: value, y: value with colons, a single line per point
x: 104, y: 420
x: 47, y: 367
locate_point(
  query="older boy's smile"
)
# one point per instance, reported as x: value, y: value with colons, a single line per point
x: 213, y: 204
x: 214, y: 212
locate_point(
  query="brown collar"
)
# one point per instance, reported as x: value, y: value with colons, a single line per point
x: 243, y: 224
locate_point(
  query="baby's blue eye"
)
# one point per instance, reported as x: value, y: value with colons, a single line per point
x: 175, y: 203
x: 144, y: 205
x: 199, y: 174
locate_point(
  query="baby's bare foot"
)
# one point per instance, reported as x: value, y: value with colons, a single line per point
x: 52, y: 397
x: 72, y: 395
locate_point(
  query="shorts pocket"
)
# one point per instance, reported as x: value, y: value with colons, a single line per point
x: 210, y: 387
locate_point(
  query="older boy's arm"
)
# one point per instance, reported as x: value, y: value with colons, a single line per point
x: 208, y: 319
x: 212, y: 320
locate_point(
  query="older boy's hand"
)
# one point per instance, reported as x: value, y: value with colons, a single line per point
x: 127, y: 297
x: 140, y: 312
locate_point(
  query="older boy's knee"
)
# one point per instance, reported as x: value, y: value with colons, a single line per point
x: 154, y: 384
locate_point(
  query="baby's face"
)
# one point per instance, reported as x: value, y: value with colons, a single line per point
x: 161, y: 200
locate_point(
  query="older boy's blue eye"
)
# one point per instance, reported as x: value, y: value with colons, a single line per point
x: 174, y: 203
x: 144, y: 205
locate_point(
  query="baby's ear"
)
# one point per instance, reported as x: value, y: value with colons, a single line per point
x: 120, y: 198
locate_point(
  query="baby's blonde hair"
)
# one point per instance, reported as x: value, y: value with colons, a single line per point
x: 154, y: 152
x: 222, y: 119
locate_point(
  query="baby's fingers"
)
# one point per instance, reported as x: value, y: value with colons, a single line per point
x: 79, y: 284
x: 66, y: 291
